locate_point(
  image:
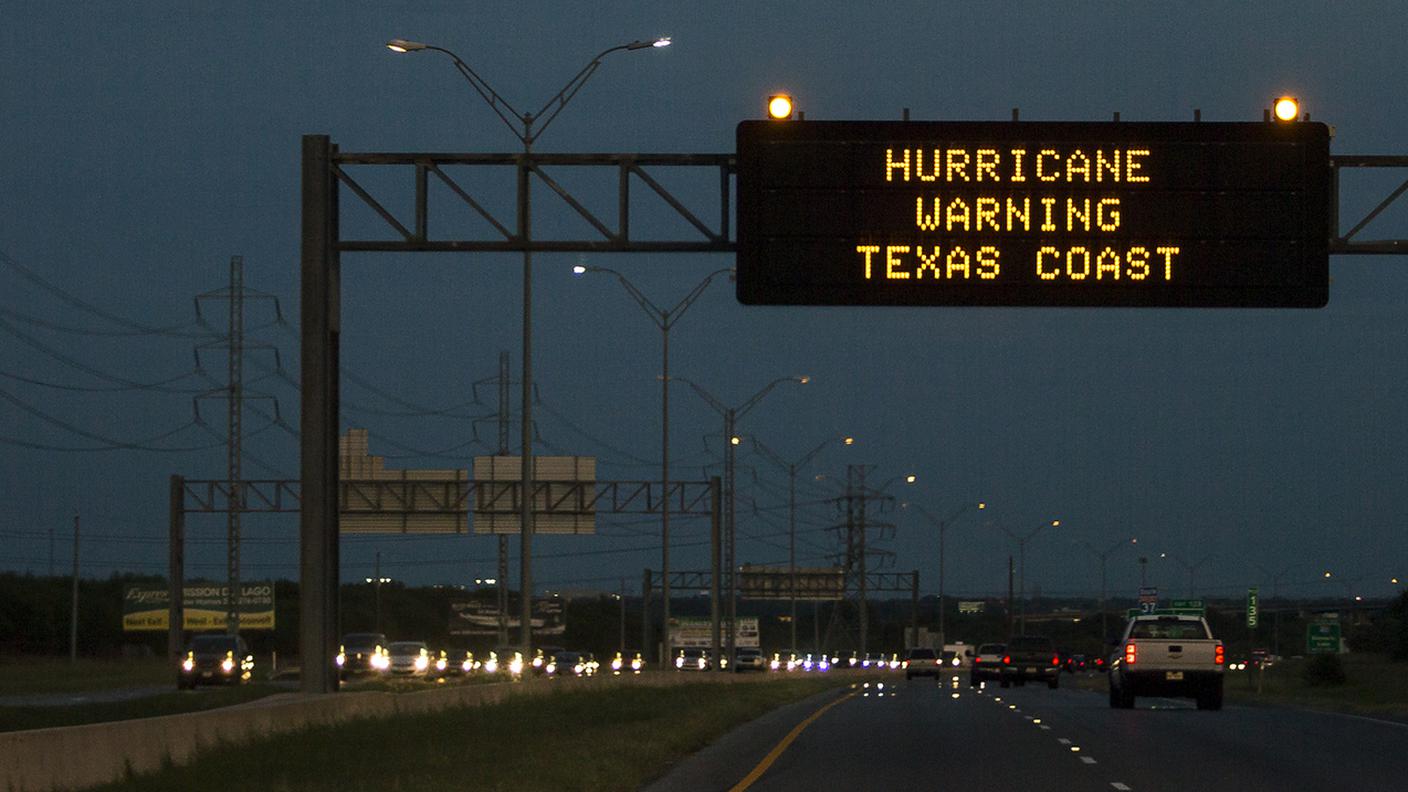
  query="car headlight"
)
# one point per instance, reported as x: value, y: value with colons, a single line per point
x: 380, y: 662
x: 188, y: 664
x: 466, y: 666
x: 440, y: 664
x: 636, y: 664
x: 227, y: 665
x: 491, y: 666
x: 616, y: 664
x: 701, y: 663
x: 515, y: 666
x: 422, y: 663
x: 679, y: 662
x: 341, y: 659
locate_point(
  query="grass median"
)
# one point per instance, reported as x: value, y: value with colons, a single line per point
x: 612, y: 739
x: 31, y: 675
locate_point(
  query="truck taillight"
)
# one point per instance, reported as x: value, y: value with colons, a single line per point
x: 1131, y: 652
x: 1219, y: 655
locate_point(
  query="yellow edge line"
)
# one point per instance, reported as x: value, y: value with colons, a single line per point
x: 778, y: 750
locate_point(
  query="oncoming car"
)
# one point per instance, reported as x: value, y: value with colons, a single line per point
x: 215, y: 659
x: 692, y: 660
x: 363, y: 653
x: 409, y: 658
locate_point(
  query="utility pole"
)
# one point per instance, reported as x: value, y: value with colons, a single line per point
x: 860, y: 538
x: 1009, y: 594
x: 377, y: 581
x: 73, y: 612
x: 792, y: 469
x: 502, y: 591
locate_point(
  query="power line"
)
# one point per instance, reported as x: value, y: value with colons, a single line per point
x: 141, y: 329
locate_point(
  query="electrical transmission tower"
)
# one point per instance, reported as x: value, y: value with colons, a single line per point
x: 234, y: 394
x: 857, y: 554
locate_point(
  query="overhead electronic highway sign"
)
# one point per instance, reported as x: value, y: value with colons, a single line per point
x: 1033, y: 214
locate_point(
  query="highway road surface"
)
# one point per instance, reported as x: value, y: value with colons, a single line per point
x: 922, y: 736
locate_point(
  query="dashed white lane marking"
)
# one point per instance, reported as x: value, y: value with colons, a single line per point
x: 1119, y: 786
x: 1044, y: 727
x: 1087, y: 760
x: 1063, y: 741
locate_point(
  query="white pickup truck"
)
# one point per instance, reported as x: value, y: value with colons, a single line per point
x: 1168, y: 655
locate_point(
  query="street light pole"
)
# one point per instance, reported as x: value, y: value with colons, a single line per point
x: 664, y: 320
x: 792, y: 468
x: 526, y: 135
x: 943, y: 528
x: 1191, y: 568
x: 1104, y: 556
x: 1022, y: 570
x: 731, y: 416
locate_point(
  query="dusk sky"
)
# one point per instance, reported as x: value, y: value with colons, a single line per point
x: 146, y: 143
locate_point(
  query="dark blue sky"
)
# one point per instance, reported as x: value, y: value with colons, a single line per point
x: 146, y: 143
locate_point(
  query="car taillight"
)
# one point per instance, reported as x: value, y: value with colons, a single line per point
x: 1218, y: 655
x: 1055, y: 660
x: 1007, y: 659
x: 1130, y: 653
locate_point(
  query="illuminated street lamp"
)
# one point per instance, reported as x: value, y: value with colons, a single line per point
x: 1022, y: 567
x: 663, y: 319
x: 522, y: 126
x: 1286, y: 109
x: 943, y: 528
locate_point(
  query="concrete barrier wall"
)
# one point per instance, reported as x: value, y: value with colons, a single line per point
x: 75, y: 757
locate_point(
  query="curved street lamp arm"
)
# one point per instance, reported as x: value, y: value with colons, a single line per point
x: 568, y: 91
x: 790, y: 467
x: 673, y: 315
x: 757, y: 397
x: 718, y: 406
x: 496, y: 102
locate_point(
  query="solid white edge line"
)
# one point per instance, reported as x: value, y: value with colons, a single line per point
x: 1379, y: 721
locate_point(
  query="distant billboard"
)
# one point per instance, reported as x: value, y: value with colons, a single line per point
x: 699, y: 633
x: 564, y: 496
x: 146, y: 608
x: 426, y: 502
x: 481, y: 617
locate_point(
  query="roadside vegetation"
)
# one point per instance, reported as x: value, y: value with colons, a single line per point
x: 172, y: 703
x: 38, y: 675
x: 571, y: 740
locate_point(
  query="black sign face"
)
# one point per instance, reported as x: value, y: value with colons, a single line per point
x: 1037, y: 214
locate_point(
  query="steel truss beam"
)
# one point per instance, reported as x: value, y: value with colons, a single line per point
x: 1344, y: 244
x: 449, y: 497
x: 627, y: 170
x: 904, y: 582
